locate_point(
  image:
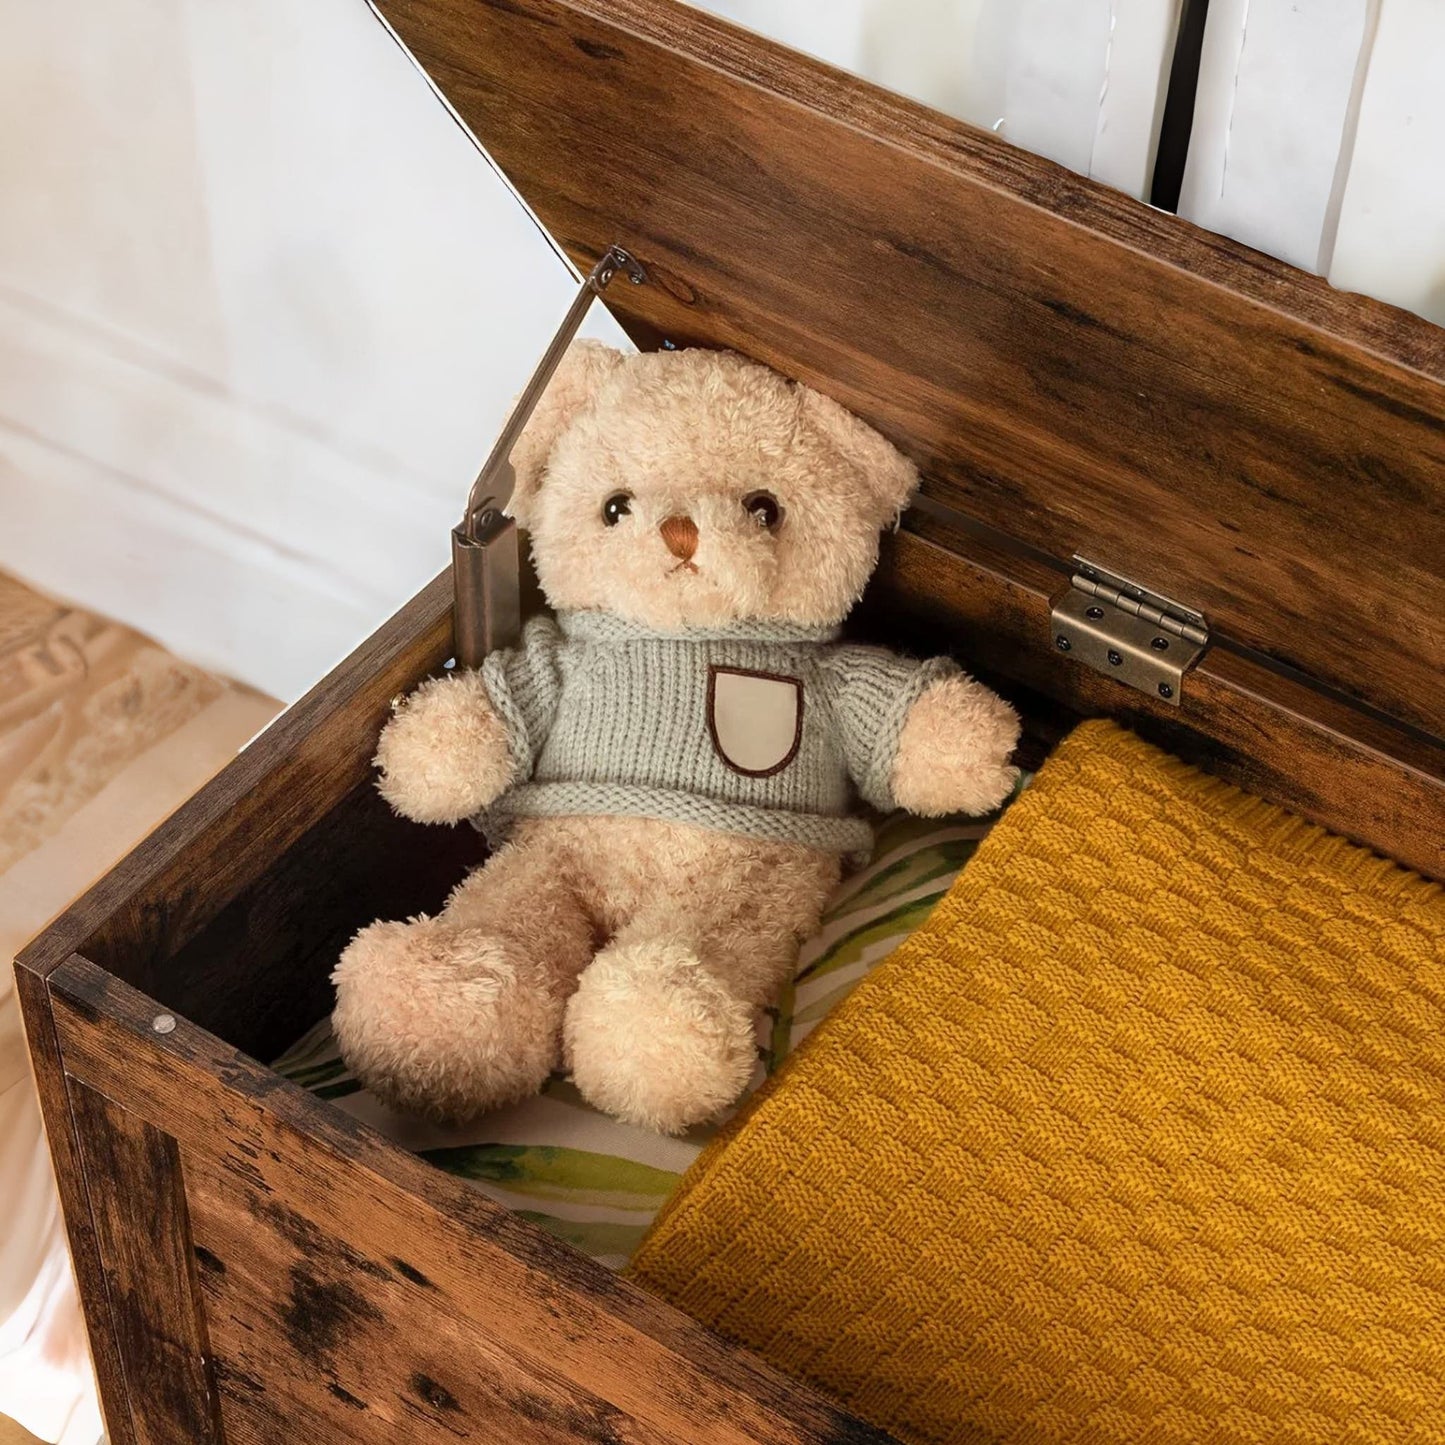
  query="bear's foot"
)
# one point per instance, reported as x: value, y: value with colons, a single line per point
x: 655, y: 1040
x: 444, y: 1022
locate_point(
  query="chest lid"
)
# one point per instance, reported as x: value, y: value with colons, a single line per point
x: 1077, y: 375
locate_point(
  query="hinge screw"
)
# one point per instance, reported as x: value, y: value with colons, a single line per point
x: 164, y: 1023
x: 1114, y: 659
x: 1165, y: 690
x: 1095, y: 613
x: 1160, y: 644
x: 1062, y: 643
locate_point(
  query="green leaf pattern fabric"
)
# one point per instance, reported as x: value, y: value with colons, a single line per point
x: 596, y: 1183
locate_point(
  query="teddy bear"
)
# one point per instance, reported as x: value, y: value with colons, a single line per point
x: 671, y: 763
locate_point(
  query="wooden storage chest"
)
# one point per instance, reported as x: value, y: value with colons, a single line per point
x: 1074, y: 373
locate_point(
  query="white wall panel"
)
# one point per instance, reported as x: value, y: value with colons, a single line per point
x: 1272, y: 114
x: 1391, y: 238
x: 1133, y: 91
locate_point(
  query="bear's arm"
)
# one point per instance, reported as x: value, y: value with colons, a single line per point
x: 953, y: 754
x: 921, y: 736
x: 462, y: 739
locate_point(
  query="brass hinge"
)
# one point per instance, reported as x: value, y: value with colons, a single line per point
x: 1127, y: 631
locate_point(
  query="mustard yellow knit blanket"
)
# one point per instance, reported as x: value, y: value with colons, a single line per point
x: 1140, y: 1138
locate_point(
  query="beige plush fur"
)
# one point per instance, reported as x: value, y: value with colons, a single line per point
x: 632, y: 951
x: 453, y: 1015
x: 692, y: 433
x: 952, y: 757
x: 444, y: 755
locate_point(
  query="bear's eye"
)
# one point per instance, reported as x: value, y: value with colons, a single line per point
x: 616, y: 507
x: 764, y: 508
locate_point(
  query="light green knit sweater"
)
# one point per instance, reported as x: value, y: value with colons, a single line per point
x: 766, y: 729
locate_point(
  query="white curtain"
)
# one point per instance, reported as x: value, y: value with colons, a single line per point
x: 1318, y: 136
x: 1391, y: 237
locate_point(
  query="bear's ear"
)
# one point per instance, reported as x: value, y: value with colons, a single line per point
x: 576, y: 381
x: 888, y: 476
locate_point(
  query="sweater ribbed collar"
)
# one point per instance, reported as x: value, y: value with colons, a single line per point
x: 606, y: 627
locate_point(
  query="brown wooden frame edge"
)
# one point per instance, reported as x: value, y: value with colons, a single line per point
x: 316, y: 752
x: 1359, y: 776
x: 674, y: 1376
x: 1367, y: 780
x: 325, y: 742
x: 63, y: 1137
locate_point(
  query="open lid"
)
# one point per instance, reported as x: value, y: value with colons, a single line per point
x: 1067, y: 366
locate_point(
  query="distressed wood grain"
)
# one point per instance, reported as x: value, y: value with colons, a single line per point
x: 1378, y: 784
x: 133, y: 1175
x: 63, y: 1137
x: 219, y: 843
x: 1062, y: 362
x: 371, y: 1229
x: 259, y: 972
x: 1066, y: 366
x: 313, y: 1334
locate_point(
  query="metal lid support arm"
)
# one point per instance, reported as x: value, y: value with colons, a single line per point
x: 485, y: 560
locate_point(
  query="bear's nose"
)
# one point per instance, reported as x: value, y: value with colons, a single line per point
x: 680, y: 535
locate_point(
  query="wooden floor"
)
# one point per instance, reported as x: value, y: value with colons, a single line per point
x: 12, y: 1434
x: 102, y: 734
x: 80, y: 698
x: 83, y: 701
